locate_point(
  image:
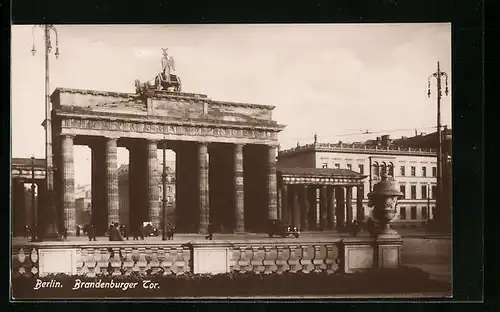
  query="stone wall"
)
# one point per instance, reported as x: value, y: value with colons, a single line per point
x: 110, y: 258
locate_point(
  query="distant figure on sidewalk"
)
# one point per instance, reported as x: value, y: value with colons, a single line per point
x: 91, y: 233
x: 170, y: 231
x: 114, y: 233
x: 65, y: 233
x: 210, y: 231
x: 354, y: 228
x: 77, y: 231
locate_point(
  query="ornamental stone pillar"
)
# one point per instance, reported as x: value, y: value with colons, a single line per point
x: 360, y: 210
x: 203, y: 187
x: 305, y: 199
x: 271, y: 183
x: 348, y: 201
x: 340, y: 191
x: 239, y: 189
x: 153, y: 195
x: 330, y: 207
x: 284, y: 205
x: 324, y: 207
x: 68, y: 179
x: 112, y: 180
x: 296, y: 207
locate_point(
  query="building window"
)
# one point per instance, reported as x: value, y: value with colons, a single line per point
x: 375, y: 169
x: 168, y: 189
x: 413, y: 192
x: 402, y: 171
x: 402, y: 213
x: 361, y: 169
x: 424, y: 191
x: 434, y: 172
x: 402, y: 189
x: 434, y: 191
x: 412, y: 171
x: 349, y: 166
x: 424, y: 213
x: 433, y: 210
x: 390, y: 170
x: 424, y: 171
x: 413, y: 213
x: 383, y: 169
x: 324, y: 165
x: 337, y: 166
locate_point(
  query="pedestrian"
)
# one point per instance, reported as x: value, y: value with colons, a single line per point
x: 170, y: 231
x: 125, y: 231
x: 114, y: 233
x: 142, y: 230
x: 77, y: 231
x: 210, y: 231
x: 65, y: 233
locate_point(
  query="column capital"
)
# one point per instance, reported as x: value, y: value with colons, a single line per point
x: 67, y: 135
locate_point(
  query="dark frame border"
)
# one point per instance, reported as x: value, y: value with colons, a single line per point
x: 467, y: 56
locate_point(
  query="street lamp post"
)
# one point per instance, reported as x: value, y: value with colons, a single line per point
x: 438, y: 75
x: 50, y: 231
x: 164, y: 196
x: 34, y: 223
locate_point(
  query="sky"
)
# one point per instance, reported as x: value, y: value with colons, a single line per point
x: 335, y: 80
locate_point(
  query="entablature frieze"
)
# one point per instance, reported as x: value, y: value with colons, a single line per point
x: 336, y: 181
x: 107, y: 127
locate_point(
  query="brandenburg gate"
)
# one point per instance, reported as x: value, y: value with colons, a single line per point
x: 225, y: 157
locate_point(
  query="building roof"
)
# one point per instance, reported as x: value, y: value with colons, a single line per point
x: 323, y: 172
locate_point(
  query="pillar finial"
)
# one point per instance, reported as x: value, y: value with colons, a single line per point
x: 315, y: 138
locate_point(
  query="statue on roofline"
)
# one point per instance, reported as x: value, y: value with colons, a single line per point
x: 165, y: 80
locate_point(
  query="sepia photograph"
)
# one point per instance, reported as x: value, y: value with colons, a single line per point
x: 231, y: 161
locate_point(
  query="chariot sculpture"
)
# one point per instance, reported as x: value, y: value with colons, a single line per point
x: 165, y: 80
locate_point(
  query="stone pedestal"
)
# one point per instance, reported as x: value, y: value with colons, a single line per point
x: 365, y: 252
x: 211, y: 258
x: 54, y: 261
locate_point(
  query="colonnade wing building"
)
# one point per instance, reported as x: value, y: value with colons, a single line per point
x: 335, y: 203
x: 225, y: 157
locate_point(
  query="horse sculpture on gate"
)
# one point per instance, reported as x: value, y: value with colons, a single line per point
x: 165, y: 80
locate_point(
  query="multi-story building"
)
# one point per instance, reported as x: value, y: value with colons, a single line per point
x: 413, y: 169
x: 123, y: 190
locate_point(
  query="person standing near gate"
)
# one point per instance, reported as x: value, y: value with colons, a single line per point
x: 210, y: 231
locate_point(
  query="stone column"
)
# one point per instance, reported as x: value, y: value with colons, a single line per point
x: 271, y: 183
x: 305, y: 199
x: 279, y: 203
x: 239, y: 189
x: 360, y: 210
x: 317, y: 207
x: 296, y: 207
x: 330, y: 207
x: 68, y: 179
x: 203, y: 187
x: 284, y: 204
x: 112, y: 180
x: 153, y: 196
x: 340, y: 208
x: 348, y: 201
x: 324, y: 207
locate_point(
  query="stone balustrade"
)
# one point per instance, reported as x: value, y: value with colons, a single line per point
x: 112, y: 259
